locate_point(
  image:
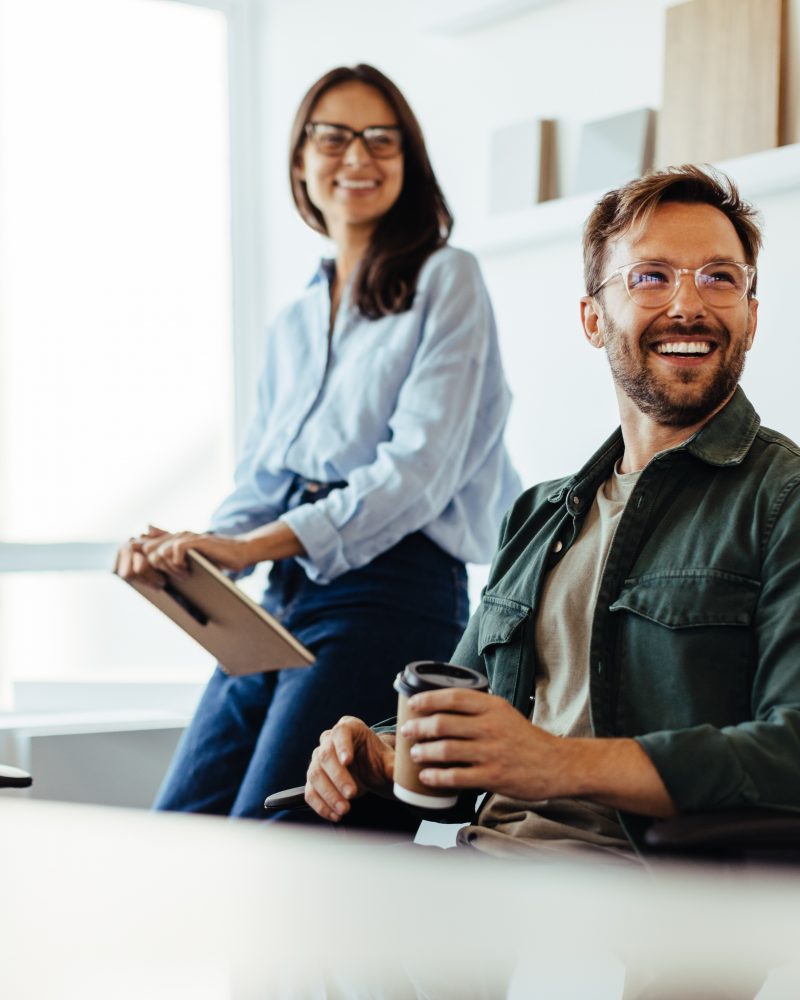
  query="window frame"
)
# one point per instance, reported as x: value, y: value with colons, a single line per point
x: 244, y: 20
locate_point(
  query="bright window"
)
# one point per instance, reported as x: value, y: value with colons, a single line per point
x: 115, y: 310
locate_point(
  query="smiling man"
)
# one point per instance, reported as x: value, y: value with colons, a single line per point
x: 640, y: 625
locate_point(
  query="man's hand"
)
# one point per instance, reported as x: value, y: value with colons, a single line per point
x: 498, y: 747
x: 499, y: 750
x: 349, y: 761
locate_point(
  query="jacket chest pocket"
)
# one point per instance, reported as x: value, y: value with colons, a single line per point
x: 501, y: 642
x: 685, y: 648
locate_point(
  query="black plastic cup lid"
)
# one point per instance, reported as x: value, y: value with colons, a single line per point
x: 430, y: 675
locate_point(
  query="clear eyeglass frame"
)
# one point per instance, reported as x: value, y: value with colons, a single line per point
x: 721, y: 283
x: 332, y: 139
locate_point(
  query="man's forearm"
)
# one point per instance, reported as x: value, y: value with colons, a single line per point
x: 466, y: 739
x: 617, y: 773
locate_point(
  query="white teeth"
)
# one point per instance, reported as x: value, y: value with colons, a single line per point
x: 358, y: 185
x: 681, y: 347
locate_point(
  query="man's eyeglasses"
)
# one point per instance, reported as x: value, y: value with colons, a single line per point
x: 381, y: 141
x: 652, y: 283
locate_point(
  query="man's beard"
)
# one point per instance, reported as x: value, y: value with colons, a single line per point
x: 653, y: 395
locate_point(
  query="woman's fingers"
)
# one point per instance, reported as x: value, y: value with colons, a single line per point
x: 134, y: 566
x: 142, y: 570
x: 168, y: 554
x: 154, y: 532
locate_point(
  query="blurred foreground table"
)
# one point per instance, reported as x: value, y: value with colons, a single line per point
x: 100, y: 903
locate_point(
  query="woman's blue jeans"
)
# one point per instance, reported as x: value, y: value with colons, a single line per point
x: 254, y: 735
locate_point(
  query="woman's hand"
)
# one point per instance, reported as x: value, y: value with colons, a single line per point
x: 167, y: 553
x: 132, y: 563
x: 349, y: 761
x: 275, y: 540
x: 156, y: 553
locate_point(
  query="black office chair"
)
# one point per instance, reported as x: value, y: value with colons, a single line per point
x: 368, y: 813
x: 729, y: 835
x: 760, y: 835
x: 14, y: 777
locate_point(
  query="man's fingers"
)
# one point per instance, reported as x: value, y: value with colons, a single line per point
x: 449, y: 700
x: 322, y: 798
x: 454, y: 777
x: 329, y: 760
x: 331, y: 783
x: 446, y: 751
x: 319, y: 807
x: 440, y: 725
x: 342, y: 739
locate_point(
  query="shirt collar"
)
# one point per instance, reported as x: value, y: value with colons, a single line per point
x: 324, y: 272
x: 323, y: 277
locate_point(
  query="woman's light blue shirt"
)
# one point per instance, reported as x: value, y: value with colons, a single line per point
x: 408, y: 409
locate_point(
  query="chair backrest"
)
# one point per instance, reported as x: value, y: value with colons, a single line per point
x: 754, y: 834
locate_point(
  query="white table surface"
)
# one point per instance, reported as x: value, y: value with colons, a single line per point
x: 112, y: 904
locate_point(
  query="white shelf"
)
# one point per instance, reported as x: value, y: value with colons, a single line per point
x: 757, y: 175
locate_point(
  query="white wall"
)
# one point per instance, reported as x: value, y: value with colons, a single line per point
x: 573, y: 60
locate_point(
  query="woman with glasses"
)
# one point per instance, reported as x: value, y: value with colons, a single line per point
x: 373, y: 468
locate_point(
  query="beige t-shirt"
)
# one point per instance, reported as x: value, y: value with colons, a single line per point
x: 563, y: 636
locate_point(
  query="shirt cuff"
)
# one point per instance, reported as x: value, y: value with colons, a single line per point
x: 699, y: 768
x: 324, y: 559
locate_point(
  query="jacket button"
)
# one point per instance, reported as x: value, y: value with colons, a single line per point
x: 558, y: 546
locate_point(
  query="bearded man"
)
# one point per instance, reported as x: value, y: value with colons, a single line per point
x: 640, y: 625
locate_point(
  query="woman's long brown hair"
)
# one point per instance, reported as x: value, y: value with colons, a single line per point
x: 418, y: 223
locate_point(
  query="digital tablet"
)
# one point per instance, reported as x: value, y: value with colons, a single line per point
x: 243, y: 637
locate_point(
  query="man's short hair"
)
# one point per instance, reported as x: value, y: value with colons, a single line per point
x: 633, y: 204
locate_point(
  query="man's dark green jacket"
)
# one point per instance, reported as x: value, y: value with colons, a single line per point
x: 695, y: 646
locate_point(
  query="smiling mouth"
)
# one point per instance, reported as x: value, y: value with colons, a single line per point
x: 356, y: 185
x: 685, y: 348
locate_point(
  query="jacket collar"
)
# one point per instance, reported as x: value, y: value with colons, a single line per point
x: 727, y: 437
x: 725, y: 440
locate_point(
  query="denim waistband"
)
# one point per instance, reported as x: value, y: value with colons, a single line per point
x: 305, y: 490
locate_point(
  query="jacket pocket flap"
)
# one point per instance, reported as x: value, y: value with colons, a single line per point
x: 690, y: 598
x: 500, y: 618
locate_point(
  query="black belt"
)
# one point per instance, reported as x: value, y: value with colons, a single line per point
x: 305, y: 490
